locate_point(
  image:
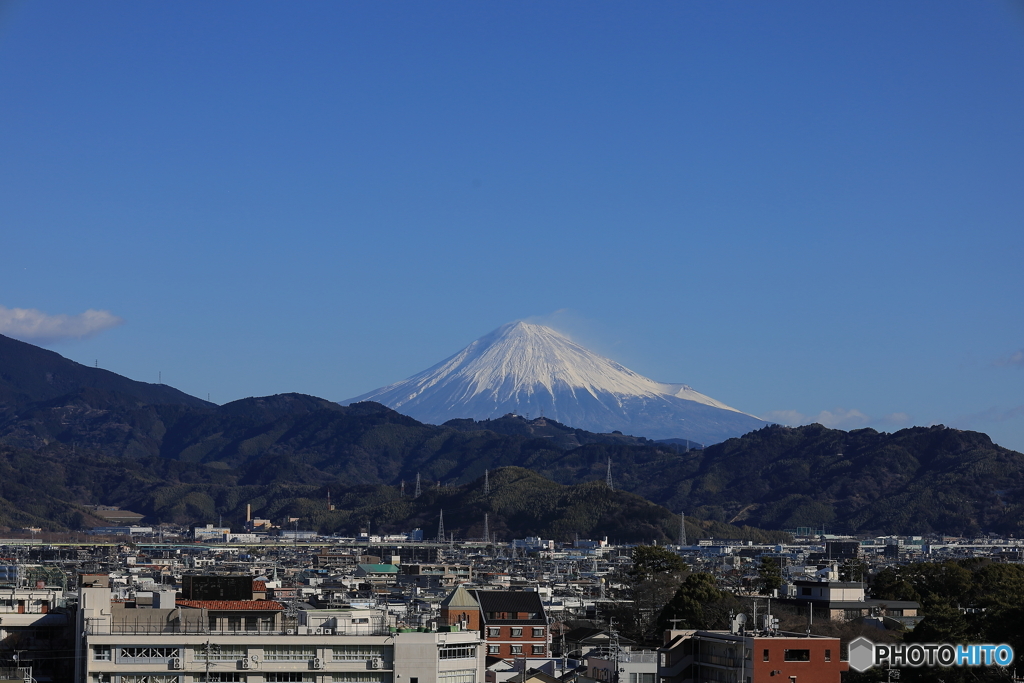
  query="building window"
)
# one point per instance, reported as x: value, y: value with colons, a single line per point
x: 805, y: 591
x: 494, y: 649
x: 764, y: 657
x: 537, y: 649
x: 288, y: 653
x: 457, y: 676
x: 517, y: 632
x: 797, y: 655
x: 361, y: 677
x: 101, y: 653
x: 828, y: 655
x: 234, y: 623
x: 517, y: 649
x: 458, y: 652
x: 358, y: 653
x: 252, y: 624
x: 289, y: 677
x: 146, y: 655
x: 493, y: 631
x: 538, y: 632
x: 149, y: 678
x: 220, y: 653
x: 226, y: 677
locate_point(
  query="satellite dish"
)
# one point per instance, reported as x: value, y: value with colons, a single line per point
x: 741, y: 618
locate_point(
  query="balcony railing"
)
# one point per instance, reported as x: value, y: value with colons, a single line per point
x: 191, y: 628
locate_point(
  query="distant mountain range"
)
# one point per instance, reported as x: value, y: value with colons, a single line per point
x: 29, y: 374
x: 188, y: 461
x: 533, y: 370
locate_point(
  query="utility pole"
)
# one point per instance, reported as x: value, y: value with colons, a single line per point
x: 682, y: 530
x: 440, y: 528
x: 208, y: 650
x: 487, y: 530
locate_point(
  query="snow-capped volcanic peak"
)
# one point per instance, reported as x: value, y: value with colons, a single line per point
x: 531, y: 369
x: 520, y: 357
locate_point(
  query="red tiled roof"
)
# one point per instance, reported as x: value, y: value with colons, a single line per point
x: 234, y: 605
x: 259, y: 586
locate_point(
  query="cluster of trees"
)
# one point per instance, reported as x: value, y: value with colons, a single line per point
x: 663, y: 593
x: 973, y: 601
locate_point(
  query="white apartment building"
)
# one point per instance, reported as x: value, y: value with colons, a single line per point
x: 260, y: 641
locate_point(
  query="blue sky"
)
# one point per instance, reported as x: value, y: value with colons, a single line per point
x: 806, y: 210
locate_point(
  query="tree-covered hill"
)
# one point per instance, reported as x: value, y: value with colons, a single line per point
x: 29, y: 374
x: 917, y: 480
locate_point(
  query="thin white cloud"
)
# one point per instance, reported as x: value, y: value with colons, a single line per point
x: 1015, y: 358
x: 31, y: 325
x: 838, y: 418
x: 896, y: 420
x: 990, y: 416
x: 791, y: 418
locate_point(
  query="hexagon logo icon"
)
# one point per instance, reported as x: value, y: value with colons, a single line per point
x: 862, y: 654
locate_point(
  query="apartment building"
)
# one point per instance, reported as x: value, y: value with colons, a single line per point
x: 259, y: 641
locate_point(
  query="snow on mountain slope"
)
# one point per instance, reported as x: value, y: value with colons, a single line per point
x: 530, y: 369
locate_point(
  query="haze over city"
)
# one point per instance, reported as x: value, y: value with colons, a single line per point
x: 808, y: 212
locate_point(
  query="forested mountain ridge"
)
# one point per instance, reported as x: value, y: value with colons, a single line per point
x: 29, y: 374
x: 917, y: 480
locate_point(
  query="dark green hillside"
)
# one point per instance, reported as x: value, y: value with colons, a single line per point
x: 29, y: 374
x: 50, y: 488
x: 917, y: 480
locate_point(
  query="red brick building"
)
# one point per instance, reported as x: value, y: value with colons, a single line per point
x: 690, y: 656
x: 513, y: 623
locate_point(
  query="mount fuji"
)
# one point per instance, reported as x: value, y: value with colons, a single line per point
x: 533, y: 370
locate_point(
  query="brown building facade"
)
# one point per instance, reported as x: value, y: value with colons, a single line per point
x: 513, y: 623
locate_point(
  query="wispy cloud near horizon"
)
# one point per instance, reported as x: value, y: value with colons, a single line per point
x: 838, y: 418
x: 33, y: 325
x: 1015, y: 358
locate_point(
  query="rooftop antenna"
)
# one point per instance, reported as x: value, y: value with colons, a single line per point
x: 440, y: 528
x: 608, y: 477
x: 417, y: 494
